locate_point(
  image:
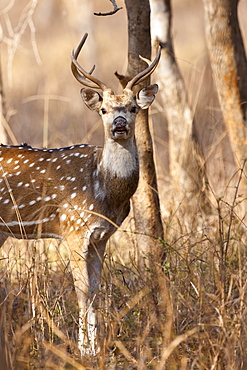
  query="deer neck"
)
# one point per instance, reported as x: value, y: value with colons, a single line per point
x: 120, y: 158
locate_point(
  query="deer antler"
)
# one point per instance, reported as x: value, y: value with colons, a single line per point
x: 84, y: 77
x: 144, y: 74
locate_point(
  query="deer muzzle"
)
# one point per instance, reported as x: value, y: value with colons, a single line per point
x: 120, y: 127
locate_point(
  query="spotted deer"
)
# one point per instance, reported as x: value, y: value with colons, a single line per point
x: 81, y: 193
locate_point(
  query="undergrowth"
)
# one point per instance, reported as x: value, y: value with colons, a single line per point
x: 186, y: 313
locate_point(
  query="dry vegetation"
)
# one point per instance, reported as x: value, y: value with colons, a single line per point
x: 205, y: 266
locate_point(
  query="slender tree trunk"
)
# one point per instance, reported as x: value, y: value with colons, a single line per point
x: 146, y: 201
x: 229, y: 65
x: 3, y: 136
x: 187, y: 166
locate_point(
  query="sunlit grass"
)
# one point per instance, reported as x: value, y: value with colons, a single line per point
x: 205, y: 279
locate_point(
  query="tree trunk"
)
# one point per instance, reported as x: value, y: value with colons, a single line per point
x: 146, y: 201
x: 228, y: 61
x: 187, y: 166
x: 3, y: 136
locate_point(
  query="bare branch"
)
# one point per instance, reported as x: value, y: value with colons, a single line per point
x: 115, y: 9
x: 13, y: 39
x: 8, y: 7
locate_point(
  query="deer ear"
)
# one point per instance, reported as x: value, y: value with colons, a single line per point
x: 91, y: 98
x: 146, y: 96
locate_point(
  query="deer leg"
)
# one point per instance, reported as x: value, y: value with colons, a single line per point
x: 86, y: 264
x: 94, y: 269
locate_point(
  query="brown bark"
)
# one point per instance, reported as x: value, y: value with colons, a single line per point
x: 146, y: 201
x: 228, y: 61
x: 187, y: 166
x: 3, y: 136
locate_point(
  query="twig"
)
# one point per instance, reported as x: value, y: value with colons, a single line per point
x: 8, y: 7
x: 115, y: 9
x: 167, y: 351
x: 15, y: 34
x: 124, y: 351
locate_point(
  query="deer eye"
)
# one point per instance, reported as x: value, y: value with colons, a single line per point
x: 103, y: 111
x: 133, y: 109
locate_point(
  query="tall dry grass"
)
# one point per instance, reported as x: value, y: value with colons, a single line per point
x: 196, y: 321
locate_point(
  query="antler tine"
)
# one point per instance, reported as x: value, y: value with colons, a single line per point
x: 84, y: 77
x: 144, y: 74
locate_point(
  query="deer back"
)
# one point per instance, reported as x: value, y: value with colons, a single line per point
x: 49, y: 192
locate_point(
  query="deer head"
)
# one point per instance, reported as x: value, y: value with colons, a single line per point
x: 118, y: 112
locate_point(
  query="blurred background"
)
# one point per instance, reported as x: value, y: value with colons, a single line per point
x: 43, y: 103
x: 37, y: 38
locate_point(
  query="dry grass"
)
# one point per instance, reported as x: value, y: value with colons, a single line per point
x: 196, y: 320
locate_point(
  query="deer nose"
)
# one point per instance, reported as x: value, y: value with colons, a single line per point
x: 120, y: 121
